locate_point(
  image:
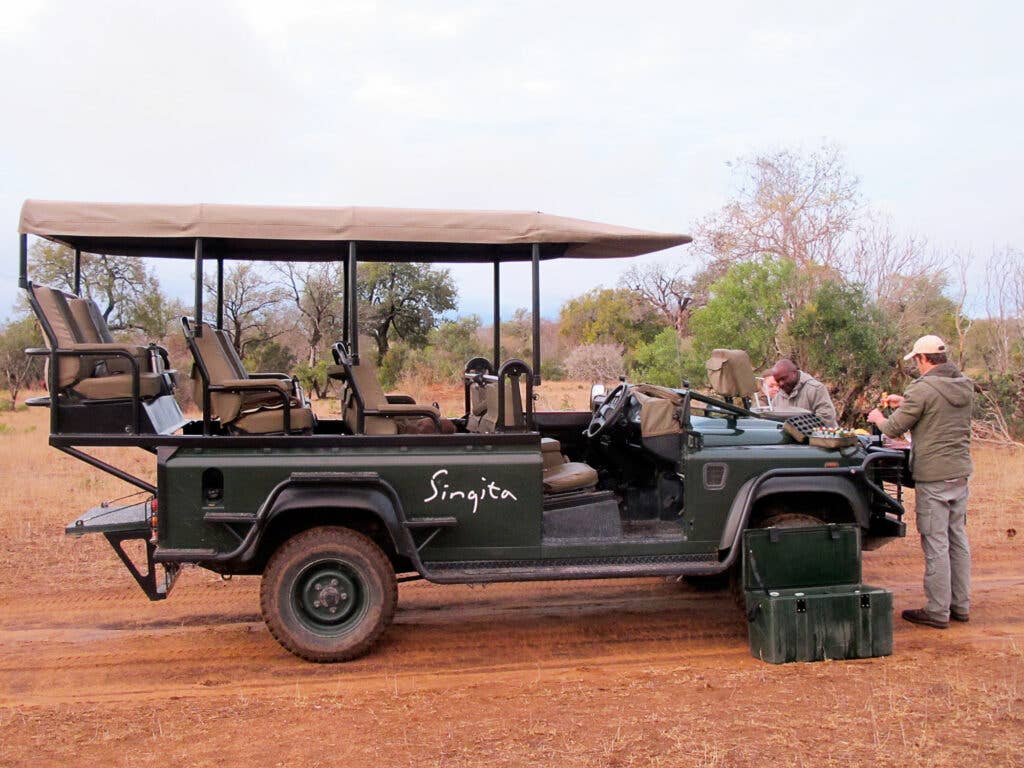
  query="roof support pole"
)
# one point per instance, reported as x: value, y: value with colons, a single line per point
x: 353, y: 305
x: 220, y: 294
x: 78, y: 271
x: 497, y: 314
x: 536, y: 313
x: 346, y: 291
x: 23, y: 261
x: 198, y: 331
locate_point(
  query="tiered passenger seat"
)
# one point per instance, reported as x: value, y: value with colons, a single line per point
x: 254, y: 404
x: 91, y: 366
x: 367, y: 410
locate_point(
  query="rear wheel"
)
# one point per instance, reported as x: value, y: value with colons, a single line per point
x: 328, y: 594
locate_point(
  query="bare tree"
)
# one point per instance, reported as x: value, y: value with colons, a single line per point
x: 250, y: 301
x: 1004, y: 304
x: 961, y: 320
x: 316, y: 291
x: 17, y: 369
x: 799, y: 206
x: 878, y: 253
x: 595, y: 362
x: 664, y: 288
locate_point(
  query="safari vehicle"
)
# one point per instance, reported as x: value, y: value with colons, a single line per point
x: 333, y: 513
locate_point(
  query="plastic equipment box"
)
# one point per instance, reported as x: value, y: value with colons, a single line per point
x: 805, y: 600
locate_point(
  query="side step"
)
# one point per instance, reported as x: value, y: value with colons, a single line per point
x: 128, y: 523
x: 479, y: 571
x: 131, y: 518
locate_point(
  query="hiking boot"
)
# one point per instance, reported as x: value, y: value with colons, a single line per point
x: 920, y: 616
x: 959, y: 615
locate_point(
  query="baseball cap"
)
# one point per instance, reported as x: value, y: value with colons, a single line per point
x: 927, y: 345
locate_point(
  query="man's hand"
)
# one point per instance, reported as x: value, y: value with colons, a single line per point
x: 876, y: 417
x: 892, y: 401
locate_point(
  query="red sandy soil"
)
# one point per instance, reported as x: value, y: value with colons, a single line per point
x: 630, y: 672
x: 641, y: 672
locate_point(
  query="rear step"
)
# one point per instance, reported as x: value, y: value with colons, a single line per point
x: 130, y: 522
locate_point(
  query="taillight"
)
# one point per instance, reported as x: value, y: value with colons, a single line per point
x: 153, y: 518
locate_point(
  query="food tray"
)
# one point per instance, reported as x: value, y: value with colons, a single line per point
x: 834, y: 442
x: 800, y: 427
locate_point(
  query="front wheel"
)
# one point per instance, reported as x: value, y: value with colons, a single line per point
x: 774, y: 519
x: 328, y: 594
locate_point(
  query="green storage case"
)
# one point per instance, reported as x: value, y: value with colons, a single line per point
x: 804, y: 598
x: 818, y: 623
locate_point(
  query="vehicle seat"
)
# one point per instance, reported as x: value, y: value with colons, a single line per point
x: 99, y: 368
x: 382, y: 414
x: 731, y: 374
x: 250, y: 404
x: 561, y: 475
x: 484, y: 401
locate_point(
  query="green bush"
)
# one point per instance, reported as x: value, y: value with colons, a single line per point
x: 667, y: 360
x: 312, y: 378
x: 269, y: 357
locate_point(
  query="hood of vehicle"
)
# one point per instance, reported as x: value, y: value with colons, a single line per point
x: 742, y: 431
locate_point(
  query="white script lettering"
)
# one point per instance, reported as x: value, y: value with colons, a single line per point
x: 487, y: 490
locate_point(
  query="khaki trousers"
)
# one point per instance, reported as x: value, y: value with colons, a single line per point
x: 942, y: 522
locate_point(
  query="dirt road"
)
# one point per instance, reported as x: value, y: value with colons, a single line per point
x: 606, y: 673
x: 633, y: 672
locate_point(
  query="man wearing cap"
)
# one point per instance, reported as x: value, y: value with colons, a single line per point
x: 799, y: 390
x: 936, y: 408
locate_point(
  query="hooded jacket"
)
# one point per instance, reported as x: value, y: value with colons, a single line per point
x: 937, y: 411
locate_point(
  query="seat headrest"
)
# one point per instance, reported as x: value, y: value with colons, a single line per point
x: 731, y: 374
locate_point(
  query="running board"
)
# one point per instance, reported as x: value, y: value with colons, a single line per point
x: 478, y: 572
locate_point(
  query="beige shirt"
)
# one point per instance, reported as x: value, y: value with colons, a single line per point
x: 811, y: 395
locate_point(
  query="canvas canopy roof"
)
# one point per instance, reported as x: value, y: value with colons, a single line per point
x: 311, y: 234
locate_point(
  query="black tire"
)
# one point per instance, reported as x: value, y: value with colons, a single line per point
x: 328, y: 594
x: 789, y: 520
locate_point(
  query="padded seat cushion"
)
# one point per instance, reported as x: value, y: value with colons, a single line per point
x: 551, y: 453
x: 571, y: 476
x: 424, y: 426
x: 268, y: 421
x: 118, y: 385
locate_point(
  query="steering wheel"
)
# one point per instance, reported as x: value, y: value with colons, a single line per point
x: 609, y: 412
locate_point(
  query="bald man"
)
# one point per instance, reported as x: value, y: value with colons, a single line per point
x: 798, y: 390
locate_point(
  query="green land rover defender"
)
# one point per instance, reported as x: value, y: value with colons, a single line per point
x: 334, y: 513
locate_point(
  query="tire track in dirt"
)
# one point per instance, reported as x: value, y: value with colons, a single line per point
x: 503, y: 633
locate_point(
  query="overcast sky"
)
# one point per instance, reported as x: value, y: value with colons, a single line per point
x: 620, y: 112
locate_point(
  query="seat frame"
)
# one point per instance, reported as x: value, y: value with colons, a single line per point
x: 345, y: 361
x: 55, y: 352
x: 479, y: 372
x: 252, y: 385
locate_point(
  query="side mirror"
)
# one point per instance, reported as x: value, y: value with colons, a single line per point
x: 597, y: 396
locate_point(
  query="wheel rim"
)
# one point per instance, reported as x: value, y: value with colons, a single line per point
x: 329, y: 597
